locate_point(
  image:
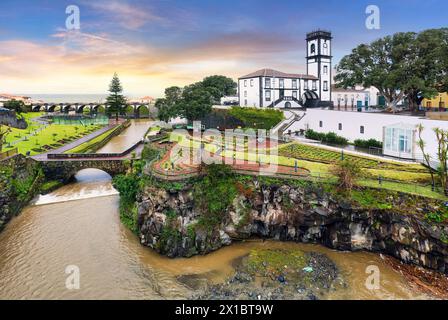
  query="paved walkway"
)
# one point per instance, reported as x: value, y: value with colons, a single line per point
x: 182, y: 167
x: 74, y: 144
x: 43, y: 124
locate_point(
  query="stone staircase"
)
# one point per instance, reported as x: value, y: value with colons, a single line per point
x: 283, y: 126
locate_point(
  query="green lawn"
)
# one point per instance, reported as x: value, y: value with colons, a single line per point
x: 409, y: 178
x: 16, y: 134
x: 404, y: 187
x: 87, y: 146
x: 51, y: 137
x: 312, y: 153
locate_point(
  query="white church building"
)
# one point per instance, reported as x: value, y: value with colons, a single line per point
x: 269, y: 88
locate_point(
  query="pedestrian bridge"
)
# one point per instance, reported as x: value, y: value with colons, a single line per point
x: 80, y: 107
x: 66, y: 169
x: 64, y: 166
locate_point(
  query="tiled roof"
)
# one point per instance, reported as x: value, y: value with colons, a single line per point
x: 277, y: 74
x: 348, y: 90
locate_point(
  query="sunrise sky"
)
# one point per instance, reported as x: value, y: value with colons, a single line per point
x: 155, y: 44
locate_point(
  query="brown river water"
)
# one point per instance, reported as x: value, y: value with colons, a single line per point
x: 79, y: 225
x: 127, y: 138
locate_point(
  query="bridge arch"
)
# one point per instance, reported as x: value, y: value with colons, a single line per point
x: 65, y: 170
x: 142, y: 110
x: 36, y: 108
x: 92, y: 174
x: 54, y: 108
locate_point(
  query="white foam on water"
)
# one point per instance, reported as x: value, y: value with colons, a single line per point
x: 84, y: 193
x: 91, y: 183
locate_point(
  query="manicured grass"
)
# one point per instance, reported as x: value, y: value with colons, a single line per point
x: 17, y: 134
x: 403, y: 187
x: 320, y: 161
x: 301, y: 151
x: 87, y: 146
x: 53, y: 136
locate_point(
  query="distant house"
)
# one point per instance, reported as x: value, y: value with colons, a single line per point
x: 145, y: 100
x: 350, y: 98
x: 438, y: 102
x: 7, y: 97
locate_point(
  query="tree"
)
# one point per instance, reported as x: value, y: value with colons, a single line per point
x: 219, y: 86
x: 115, y: 100
x: 15, y: 105
x: 346, y: 172
x: 427, y: 66
x: 421, y: 143
x: 442, y: 155
x: 196, y: 103
x: 168, y: 107
x: 4, y: 131
x: 405, y: 65
x: 383, y: 64
x: 192, y: 102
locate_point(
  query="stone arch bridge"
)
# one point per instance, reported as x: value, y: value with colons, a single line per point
x: 80, y: 107
x: 65, y: 169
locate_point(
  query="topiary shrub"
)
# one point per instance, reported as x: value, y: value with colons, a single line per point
x: 366, y: 144
x: 329, y: 137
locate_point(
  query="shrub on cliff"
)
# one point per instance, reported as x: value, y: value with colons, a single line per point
x: 346, y: 172
x: 127, y: 186
x: 214, y: 194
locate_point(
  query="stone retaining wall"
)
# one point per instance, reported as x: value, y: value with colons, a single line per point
x: 292, y: 214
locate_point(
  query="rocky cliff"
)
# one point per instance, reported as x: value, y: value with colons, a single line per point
x: 168, y: 222
x: 20, y: 181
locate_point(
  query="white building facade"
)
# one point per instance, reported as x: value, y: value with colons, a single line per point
x: 267, y: 88
x: 270, y: 88
x: 398, y: 133
x: 350, y: 99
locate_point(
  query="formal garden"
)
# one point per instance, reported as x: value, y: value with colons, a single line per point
x: 298, y: 160
x: 40, y: 136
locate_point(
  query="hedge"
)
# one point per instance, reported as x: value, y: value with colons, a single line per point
x: 366, y: 144
x: 257, y: 118
x: 329, y: 137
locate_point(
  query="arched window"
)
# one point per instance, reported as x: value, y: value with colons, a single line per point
x: 313, y: 48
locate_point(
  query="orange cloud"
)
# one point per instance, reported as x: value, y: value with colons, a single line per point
x: 79, y: 62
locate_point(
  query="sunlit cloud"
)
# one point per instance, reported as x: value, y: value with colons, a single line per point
x: 129, y: 16
x: 77, y: 58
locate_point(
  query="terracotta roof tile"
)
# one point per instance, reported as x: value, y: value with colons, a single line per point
x: 277, y: 74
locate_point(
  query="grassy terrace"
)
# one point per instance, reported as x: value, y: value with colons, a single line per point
x: 89, y: 146
x: 39, y: 138
x: 397, y: 176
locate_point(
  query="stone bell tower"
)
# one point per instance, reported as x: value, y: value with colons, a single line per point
x: 319, y: 62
